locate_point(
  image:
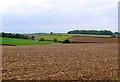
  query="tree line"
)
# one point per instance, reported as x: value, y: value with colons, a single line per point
x: 96, y: 32
x: 19, y: 36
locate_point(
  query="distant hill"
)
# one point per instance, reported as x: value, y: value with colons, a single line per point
x: 116, y: 33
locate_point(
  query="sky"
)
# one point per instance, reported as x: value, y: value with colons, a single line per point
x: 45, y: 16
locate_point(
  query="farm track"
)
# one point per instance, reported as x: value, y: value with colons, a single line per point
x: 96, y: 61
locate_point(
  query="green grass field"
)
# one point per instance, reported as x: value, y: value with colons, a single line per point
x: 59, y: 37
x: 62, y: 37
x: 22, y: 42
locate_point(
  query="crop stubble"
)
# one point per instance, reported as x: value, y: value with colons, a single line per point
x: 61, y: 61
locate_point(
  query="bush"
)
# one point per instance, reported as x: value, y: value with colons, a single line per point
x: 17, y: 36
x: 67, y: 41
x: 33, y: 38
x: 113, y: 36
x: 41, y: 39
x: 55, y: 39
x: 51, y: 33
x: 26, y: 37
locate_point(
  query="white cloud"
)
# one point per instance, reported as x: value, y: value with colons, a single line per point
x: 35, y: 6
x: 74, y: 12
x: 20, y: 6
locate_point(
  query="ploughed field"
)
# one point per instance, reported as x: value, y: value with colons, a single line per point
x: 61, y: 61
x: 94, y: 39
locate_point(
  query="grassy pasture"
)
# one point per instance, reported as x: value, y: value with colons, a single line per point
x: 51, y: 37
x: 62, y: 37
x: 22, y: 42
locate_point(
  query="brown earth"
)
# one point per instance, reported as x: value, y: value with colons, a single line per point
x: 96, y: 61
x: 93, y: 39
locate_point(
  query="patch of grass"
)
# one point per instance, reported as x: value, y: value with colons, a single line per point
x: 51, y: 37
x: 22, y: 42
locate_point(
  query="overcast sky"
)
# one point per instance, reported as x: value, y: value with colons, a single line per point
x: 25, y: 16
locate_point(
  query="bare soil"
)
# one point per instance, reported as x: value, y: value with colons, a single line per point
x: 96, y: 61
